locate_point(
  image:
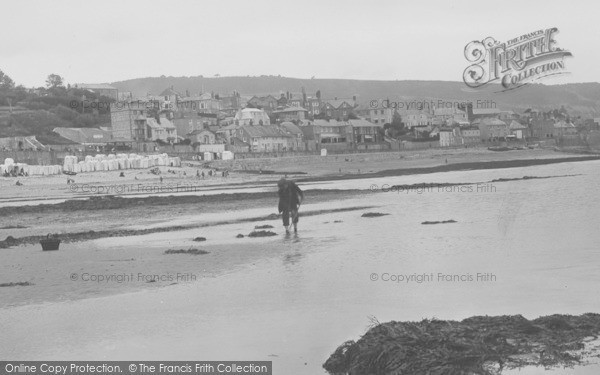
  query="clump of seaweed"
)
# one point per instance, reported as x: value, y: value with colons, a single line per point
x: 190, y: 251
x: 8, y: 242
x: 19, y: 283
x: 373, y: 214
x: 478, y: 345
x: 261, y: 233
x: 439, y: 222
x: 266, y: 226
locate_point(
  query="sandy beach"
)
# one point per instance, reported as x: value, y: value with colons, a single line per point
x: 49, y: 205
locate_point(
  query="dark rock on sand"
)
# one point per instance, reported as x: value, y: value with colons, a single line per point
x: 200, y: 239
x: 262, y: 233
x: 188, y: 251
x: 372, y: 214
x: 239, y: 235
x: 8, y: 242
x: 439, y: 222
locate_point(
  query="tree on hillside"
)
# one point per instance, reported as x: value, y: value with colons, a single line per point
x: 6, y: 83
x: 54, y: 81
x: 396, y: 128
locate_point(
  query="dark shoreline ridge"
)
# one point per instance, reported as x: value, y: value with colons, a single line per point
x: 477, y: 345
x: 92, y: 235
x: 114, y: 202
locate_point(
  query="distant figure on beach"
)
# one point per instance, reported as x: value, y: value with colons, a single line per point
x: 290, y: 198
x: 161, y: 179
x: 122, y: 174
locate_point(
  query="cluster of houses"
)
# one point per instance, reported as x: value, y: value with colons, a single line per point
x: 211, y: 123
x: 455, y: 127
x: 269, y: 123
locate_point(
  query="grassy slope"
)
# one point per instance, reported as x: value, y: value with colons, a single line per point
x: 39, y: 123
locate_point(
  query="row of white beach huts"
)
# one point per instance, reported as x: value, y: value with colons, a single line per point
x: 118, y: 162
x: 91, y: 164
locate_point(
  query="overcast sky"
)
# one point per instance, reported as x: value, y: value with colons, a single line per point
x: 108, y: 41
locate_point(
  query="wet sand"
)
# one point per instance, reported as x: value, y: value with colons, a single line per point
x: 84, y: 222
x: 296, y: 302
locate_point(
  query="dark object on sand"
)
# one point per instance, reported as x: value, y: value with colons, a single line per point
x: 69, y: 173
x: 200, y: 239
x: 188, y: 251
x: 439, y: 222
x: 20, y: 283
x: 338, y: 221
x: 50, y: 243
x: 239, y: 235
x: 470, y: 346
x: 266, y: 226
x: 262, y: 233
x: 8, y: 242
x: 372, y: 214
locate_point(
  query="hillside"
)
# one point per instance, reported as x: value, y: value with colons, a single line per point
x: 34, y: 122
x: 578, y: 98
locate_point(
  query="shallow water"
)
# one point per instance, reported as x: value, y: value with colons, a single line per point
x: 306, y: 295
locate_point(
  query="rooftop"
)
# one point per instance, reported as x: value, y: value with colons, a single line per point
x: 364, y: 123
x: 264, y: 131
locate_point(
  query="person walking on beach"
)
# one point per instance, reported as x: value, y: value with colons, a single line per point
x: 290, y: 198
